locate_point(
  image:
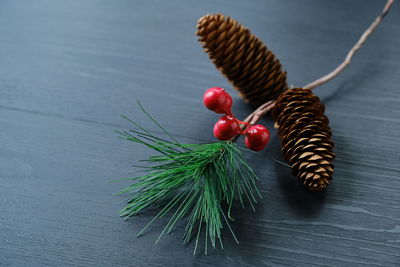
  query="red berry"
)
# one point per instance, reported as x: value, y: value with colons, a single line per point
x: 257, y: 137
x: 226, y: 128
x: 218, y: 100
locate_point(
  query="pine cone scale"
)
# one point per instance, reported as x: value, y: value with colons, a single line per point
x: 305, y: 136
x: 242, y: 58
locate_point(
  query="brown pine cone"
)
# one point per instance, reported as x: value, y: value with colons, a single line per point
x: 305, y: 136
x: 242, y: 58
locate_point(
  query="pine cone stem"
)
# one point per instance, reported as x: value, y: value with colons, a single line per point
x: 256, y: 115
x: 353, y: 50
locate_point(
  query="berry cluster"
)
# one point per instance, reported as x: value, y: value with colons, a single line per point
x: 219, y: 101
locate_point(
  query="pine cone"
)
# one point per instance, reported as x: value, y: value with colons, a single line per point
x: 242, y: 58
x: 305, y: 136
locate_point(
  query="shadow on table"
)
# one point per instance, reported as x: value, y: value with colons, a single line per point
x: 299, y: 199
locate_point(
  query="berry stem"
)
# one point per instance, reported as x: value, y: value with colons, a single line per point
x: 243, y: 122
x: 243, y: 127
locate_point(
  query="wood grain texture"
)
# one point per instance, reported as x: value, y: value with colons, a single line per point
x: 69, y: 68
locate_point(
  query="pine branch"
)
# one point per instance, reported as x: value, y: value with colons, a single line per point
x: 191, y: 182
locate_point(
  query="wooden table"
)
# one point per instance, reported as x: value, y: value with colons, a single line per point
x: 70, y: 68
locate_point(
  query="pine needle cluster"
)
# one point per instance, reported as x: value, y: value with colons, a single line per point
x: 194, y: 182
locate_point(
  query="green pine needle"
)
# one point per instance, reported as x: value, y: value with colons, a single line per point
x: 190, y: 181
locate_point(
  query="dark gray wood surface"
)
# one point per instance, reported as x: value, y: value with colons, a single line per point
x: 69, y: 68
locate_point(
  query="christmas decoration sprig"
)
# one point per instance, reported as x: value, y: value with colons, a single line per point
x: 198, y: 182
